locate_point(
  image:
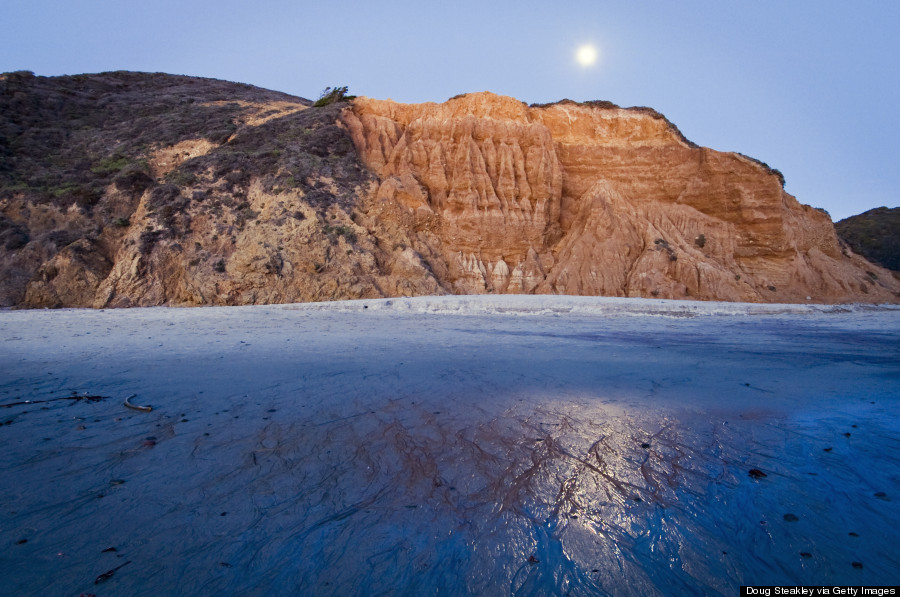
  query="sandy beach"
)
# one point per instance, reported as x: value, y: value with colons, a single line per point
x: 515, y: 445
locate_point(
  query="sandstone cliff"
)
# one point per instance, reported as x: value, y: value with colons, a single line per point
x: 595, y: 199
x: 126, y: 189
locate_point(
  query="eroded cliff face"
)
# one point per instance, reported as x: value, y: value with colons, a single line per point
x: 131, y: 189
x: 480, y: 180
x: 594, y: 199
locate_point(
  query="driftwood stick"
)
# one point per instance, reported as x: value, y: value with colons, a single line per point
x: 145, y: 409
x: 108, y: 574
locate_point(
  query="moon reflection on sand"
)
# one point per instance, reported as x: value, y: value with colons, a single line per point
x: 454, y: 445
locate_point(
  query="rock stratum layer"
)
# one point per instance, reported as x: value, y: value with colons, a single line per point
x: 129, y: 189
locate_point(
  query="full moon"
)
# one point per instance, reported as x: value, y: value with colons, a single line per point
x: 586, y: 55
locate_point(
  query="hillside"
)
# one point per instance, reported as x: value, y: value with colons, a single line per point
x: 127, y: 189
x: 123, y: 189
x: 875, y: 235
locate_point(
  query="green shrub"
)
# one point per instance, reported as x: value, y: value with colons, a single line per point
x: 164, y: 195
x: 110, y: 165
x: 332, y: 96
x: 134, y: 178
x: 346, y: 231
x: 662, y: 244
x: 148, y: 240
x: 15, y: 238
x: 181, y: 178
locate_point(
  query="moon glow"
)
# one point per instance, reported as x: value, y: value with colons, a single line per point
x: 586, y: 55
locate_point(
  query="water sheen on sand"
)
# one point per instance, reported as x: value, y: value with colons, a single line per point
x: 454, y: 446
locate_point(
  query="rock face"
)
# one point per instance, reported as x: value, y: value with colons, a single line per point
x: 130, y: 189
x: 598, y: 200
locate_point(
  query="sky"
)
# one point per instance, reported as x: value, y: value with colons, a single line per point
x: 808, y: 86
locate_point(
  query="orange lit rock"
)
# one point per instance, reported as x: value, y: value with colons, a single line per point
x: 593, y: 199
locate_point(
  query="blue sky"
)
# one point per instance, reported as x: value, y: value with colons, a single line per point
x: 810, y: 87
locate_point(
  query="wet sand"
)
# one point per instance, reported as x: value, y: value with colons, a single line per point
x: 461, y: 446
